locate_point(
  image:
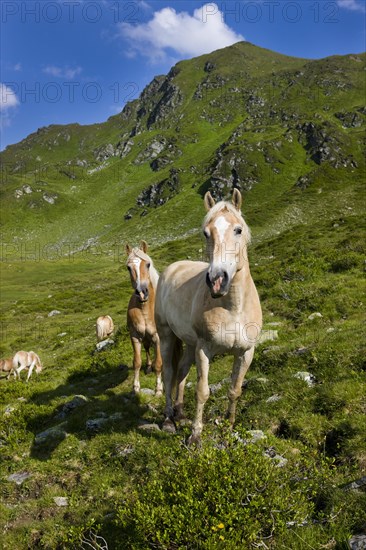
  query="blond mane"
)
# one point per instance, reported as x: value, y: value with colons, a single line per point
x: 154, y: 275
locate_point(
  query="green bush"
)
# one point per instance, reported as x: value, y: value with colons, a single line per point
x: 225, y: 495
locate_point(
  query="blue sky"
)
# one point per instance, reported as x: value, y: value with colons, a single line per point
x: 66, y: 61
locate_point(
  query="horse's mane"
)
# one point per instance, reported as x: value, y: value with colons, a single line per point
x: 212, y: 213
x: 154, y: 275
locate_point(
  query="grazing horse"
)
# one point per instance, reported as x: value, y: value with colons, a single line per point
x: 104, y: 327
x: 26, y: 360
x: 6, y: 365
x: 140, y: 313
x: 213, y: 308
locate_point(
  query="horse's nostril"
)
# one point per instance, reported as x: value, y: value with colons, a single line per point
x: 225, y: 276
x: 208, y: 282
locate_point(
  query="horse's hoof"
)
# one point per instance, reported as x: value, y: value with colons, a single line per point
x: 158, y: 393
x: 178, y: 414
x: 185, y: 422
x: 169, y: 426
x: 148, y: 369
x: 194, y: 440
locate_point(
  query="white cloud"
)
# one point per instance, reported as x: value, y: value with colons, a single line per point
x: 352, y: 5
x: 188, y: 35
x: 8, y: 98
x: 62, y: 72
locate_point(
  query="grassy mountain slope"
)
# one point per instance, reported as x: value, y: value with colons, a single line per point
x: 290, y: 134
x: 231, y: 117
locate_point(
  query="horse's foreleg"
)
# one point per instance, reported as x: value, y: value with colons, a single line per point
x: 202, y: 392
x: 136, y: 344
x: 148, y: 358
x: 158, y: 365
x: 240, y: 367
x: 30, y: 370
x: 183, y: 370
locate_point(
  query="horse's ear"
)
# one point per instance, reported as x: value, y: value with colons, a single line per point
x: 236, y: 199
x: 209, y: 202
x: 128, y: 249
x: 143, y: 246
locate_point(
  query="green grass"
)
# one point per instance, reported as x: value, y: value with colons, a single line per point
x: 148, y: 490
x: 318, y: 429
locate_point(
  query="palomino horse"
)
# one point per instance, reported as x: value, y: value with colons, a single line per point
x: 140, y: 313
x: 6, y: 365
x: 213, y: 308
x: 104, y: 327
x: 26, y: 360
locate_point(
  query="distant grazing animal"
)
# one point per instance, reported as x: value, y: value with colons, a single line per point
x: 104, y: 327
x: 140, y: 313
x: 6, y: 365
x: 26, y: 360
x: 213, y: 308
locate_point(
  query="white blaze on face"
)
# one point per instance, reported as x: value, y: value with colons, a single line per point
x: 221, y: 225
x: 136, y: 263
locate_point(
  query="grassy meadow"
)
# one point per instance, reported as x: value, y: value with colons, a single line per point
x: 84, y: 462
x: 146, y: 489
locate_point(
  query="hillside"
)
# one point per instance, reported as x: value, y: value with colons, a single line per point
x: 269, y: 124
x: 290, y: 134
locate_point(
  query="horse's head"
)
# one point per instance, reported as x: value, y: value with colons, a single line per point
x: 39, y: 367
x: 33, y: 357
x: 227, y: 236
x: 139, y: 264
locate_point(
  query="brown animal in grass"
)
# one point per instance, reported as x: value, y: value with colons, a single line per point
x: 140, y: 313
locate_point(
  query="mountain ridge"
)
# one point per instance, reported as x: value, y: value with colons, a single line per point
x: 241, y: 116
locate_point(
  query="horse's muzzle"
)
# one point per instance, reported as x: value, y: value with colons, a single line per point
x: 218, y: 284
x: 142, y: 294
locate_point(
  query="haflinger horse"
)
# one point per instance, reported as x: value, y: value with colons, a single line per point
x: 28, y: 360
x: 140, y: 313
x: 104, y: 327
x: 6, y: 365
x: 213, y: 308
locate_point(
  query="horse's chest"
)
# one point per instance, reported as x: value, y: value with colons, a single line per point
x: 141, y: 323
x: 225, y: 332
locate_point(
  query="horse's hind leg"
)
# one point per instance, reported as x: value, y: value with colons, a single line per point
x: 240, y: 367
x: 168, y: 343
x: 183, y: 370
x: 136, y: 344
x: 19, y: 370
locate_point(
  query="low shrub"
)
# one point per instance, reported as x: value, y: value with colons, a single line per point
x: 228, y: 494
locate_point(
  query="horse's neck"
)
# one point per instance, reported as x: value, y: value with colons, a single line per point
x: 154, y: 277
x: 236, y: 297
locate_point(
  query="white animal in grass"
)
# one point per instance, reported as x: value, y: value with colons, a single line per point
x: 26, y: 360
x: 104, y: 327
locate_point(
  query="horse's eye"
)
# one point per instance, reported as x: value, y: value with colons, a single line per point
x: 238, y: 230
x: 129, y: 269
x: 148, y: 266
x: 206, y: 234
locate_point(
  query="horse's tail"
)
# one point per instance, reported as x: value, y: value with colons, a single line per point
x: 16, y: 361
x: 111, y: 325
x: 100, y: 330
